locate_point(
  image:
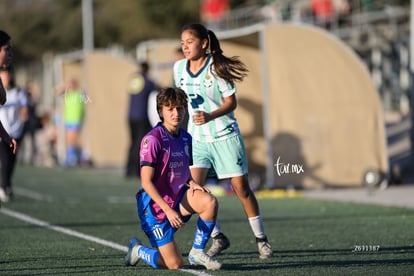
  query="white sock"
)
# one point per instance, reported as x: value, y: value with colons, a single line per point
x: 216, y: 230
x: 256, y: 224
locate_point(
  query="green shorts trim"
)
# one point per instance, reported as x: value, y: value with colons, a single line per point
x: 227, y: 157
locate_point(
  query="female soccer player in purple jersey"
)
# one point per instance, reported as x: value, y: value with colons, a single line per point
x: 208, y: 77
x: 168, y: 196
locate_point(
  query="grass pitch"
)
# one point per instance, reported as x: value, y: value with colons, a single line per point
x: 309, y: 237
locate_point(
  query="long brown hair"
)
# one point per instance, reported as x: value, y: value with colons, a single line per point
x: 232, y: 69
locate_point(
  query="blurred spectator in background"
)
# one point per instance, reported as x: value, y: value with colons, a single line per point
x: 13, y: 115
x: 213, y: 12
x: 323, y: 12
x: 73, y: 116
x: 46, y: 138
x: 368, y: 5
x: 140, y: 87
x: 342, y: 11
x: 33, y: 123
x: 270, y: 11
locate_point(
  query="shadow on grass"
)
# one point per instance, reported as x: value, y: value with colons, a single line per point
x: 66, y: 270
x: 251, y: 262
x: 62, y: 265
x: 316, y: 264
x: 323, y: 216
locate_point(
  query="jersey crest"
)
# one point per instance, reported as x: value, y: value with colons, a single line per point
x: 208, y: 81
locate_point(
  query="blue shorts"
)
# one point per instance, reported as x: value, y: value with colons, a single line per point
x: 227, y: 157
x: 158, y: 233
x: 73, y: 126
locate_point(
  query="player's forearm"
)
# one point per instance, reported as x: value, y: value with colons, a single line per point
x: 228, y: 106
x: 154, y: 194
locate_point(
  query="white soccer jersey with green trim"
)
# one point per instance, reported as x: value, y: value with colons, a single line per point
x: 206, y: 92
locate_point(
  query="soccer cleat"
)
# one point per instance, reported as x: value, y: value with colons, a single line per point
x: 220, y: 243
x: 264, y: 248
x: 3, y: 196
x: 198, y: 257
x: 132, y: 257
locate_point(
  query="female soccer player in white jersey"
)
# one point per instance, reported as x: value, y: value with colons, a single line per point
x: 208, y: 77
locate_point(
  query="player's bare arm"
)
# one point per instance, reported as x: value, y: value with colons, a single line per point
x: 229, y: 105
x: 147, y: 173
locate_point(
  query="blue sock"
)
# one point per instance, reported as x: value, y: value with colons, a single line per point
x: 149, y: 255
x: 203, y: 231
x: 71, y: 156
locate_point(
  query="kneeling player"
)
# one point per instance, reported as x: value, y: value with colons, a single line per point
x: 168, y: 196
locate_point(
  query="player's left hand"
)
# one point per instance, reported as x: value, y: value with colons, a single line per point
x: 194, y: 187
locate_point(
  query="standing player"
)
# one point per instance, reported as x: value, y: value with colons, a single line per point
x: 169, y: 196
x: 13, y: 114
x: 208, y: 77
x: 5, y: 58
x: 141, y: 86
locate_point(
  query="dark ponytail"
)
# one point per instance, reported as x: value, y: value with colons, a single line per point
x: 4, y: 38
x: 231, y: 69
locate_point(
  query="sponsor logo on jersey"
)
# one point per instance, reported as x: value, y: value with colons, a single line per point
x: 177, y: 154
x: 175, y: 165
x: 146, y: 142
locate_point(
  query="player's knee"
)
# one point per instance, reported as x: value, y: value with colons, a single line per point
x: 213, y: 203
x: 208, y: 203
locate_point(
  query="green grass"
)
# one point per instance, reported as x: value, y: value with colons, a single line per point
x: 309, y: 237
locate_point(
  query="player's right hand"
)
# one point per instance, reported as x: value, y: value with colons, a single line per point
x: 13, y: 144
x: 174, y: 218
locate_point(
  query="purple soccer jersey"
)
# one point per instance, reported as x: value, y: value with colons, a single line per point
x: 171, y: 158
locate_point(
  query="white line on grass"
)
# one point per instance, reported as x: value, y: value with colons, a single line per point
x: 77, y: 234
x: 48, y: 198
x: 33, y: 194
x: 60, y: 229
